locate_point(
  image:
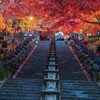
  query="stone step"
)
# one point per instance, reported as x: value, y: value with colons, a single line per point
x: 77, y: 98
x: 56, y: 71
x: 19, y: 98
x: 28, y: 84
x: 71, y: 77
x: 80, y: 88
x: 49, y: 92
x: 85, y: 91
x: 23, y: 94
x: 77, y: 82
x: 91, y: 93
x: 47, y: 79
x: 24, y: 91
x: 80, y: 96
x: 80, y: 85
x: 74, y: 81
x: 24, y: 80
x: 21, y: 86
x: 13, y: 94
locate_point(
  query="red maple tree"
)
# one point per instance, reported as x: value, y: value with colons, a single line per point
x: 55, y: 14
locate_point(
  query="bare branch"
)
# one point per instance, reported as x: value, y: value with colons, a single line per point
x: 61, y: 4
x: 90, y: 22
x: 97, y: 17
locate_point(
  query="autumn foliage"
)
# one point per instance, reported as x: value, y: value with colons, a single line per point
x: 61, y: 15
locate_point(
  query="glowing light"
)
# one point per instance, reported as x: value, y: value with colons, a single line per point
x: 31, y: 18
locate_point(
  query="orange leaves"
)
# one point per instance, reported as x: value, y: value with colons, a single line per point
x: 2, y: 25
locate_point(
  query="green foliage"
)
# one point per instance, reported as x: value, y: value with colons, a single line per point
x: 34, y: 19
x: 92, y: 43
x: 24, y: 23
x: 26, y: 19
x: 98, y: 77
x: 24, y: 28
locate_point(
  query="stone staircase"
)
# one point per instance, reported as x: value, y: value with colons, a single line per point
x: 29, y: 81
x: 79, y: 90
x: 21, y: 89
x: 73, y: 82
x: 34, y: 81
x: 51, y: 86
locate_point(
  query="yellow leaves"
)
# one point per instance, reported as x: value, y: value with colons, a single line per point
x: 29, y: 22
x: 2, y: 25
x: 1, y: 17
x: 0, y: 1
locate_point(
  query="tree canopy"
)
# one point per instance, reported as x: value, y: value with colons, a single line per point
x: 62, y: 15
